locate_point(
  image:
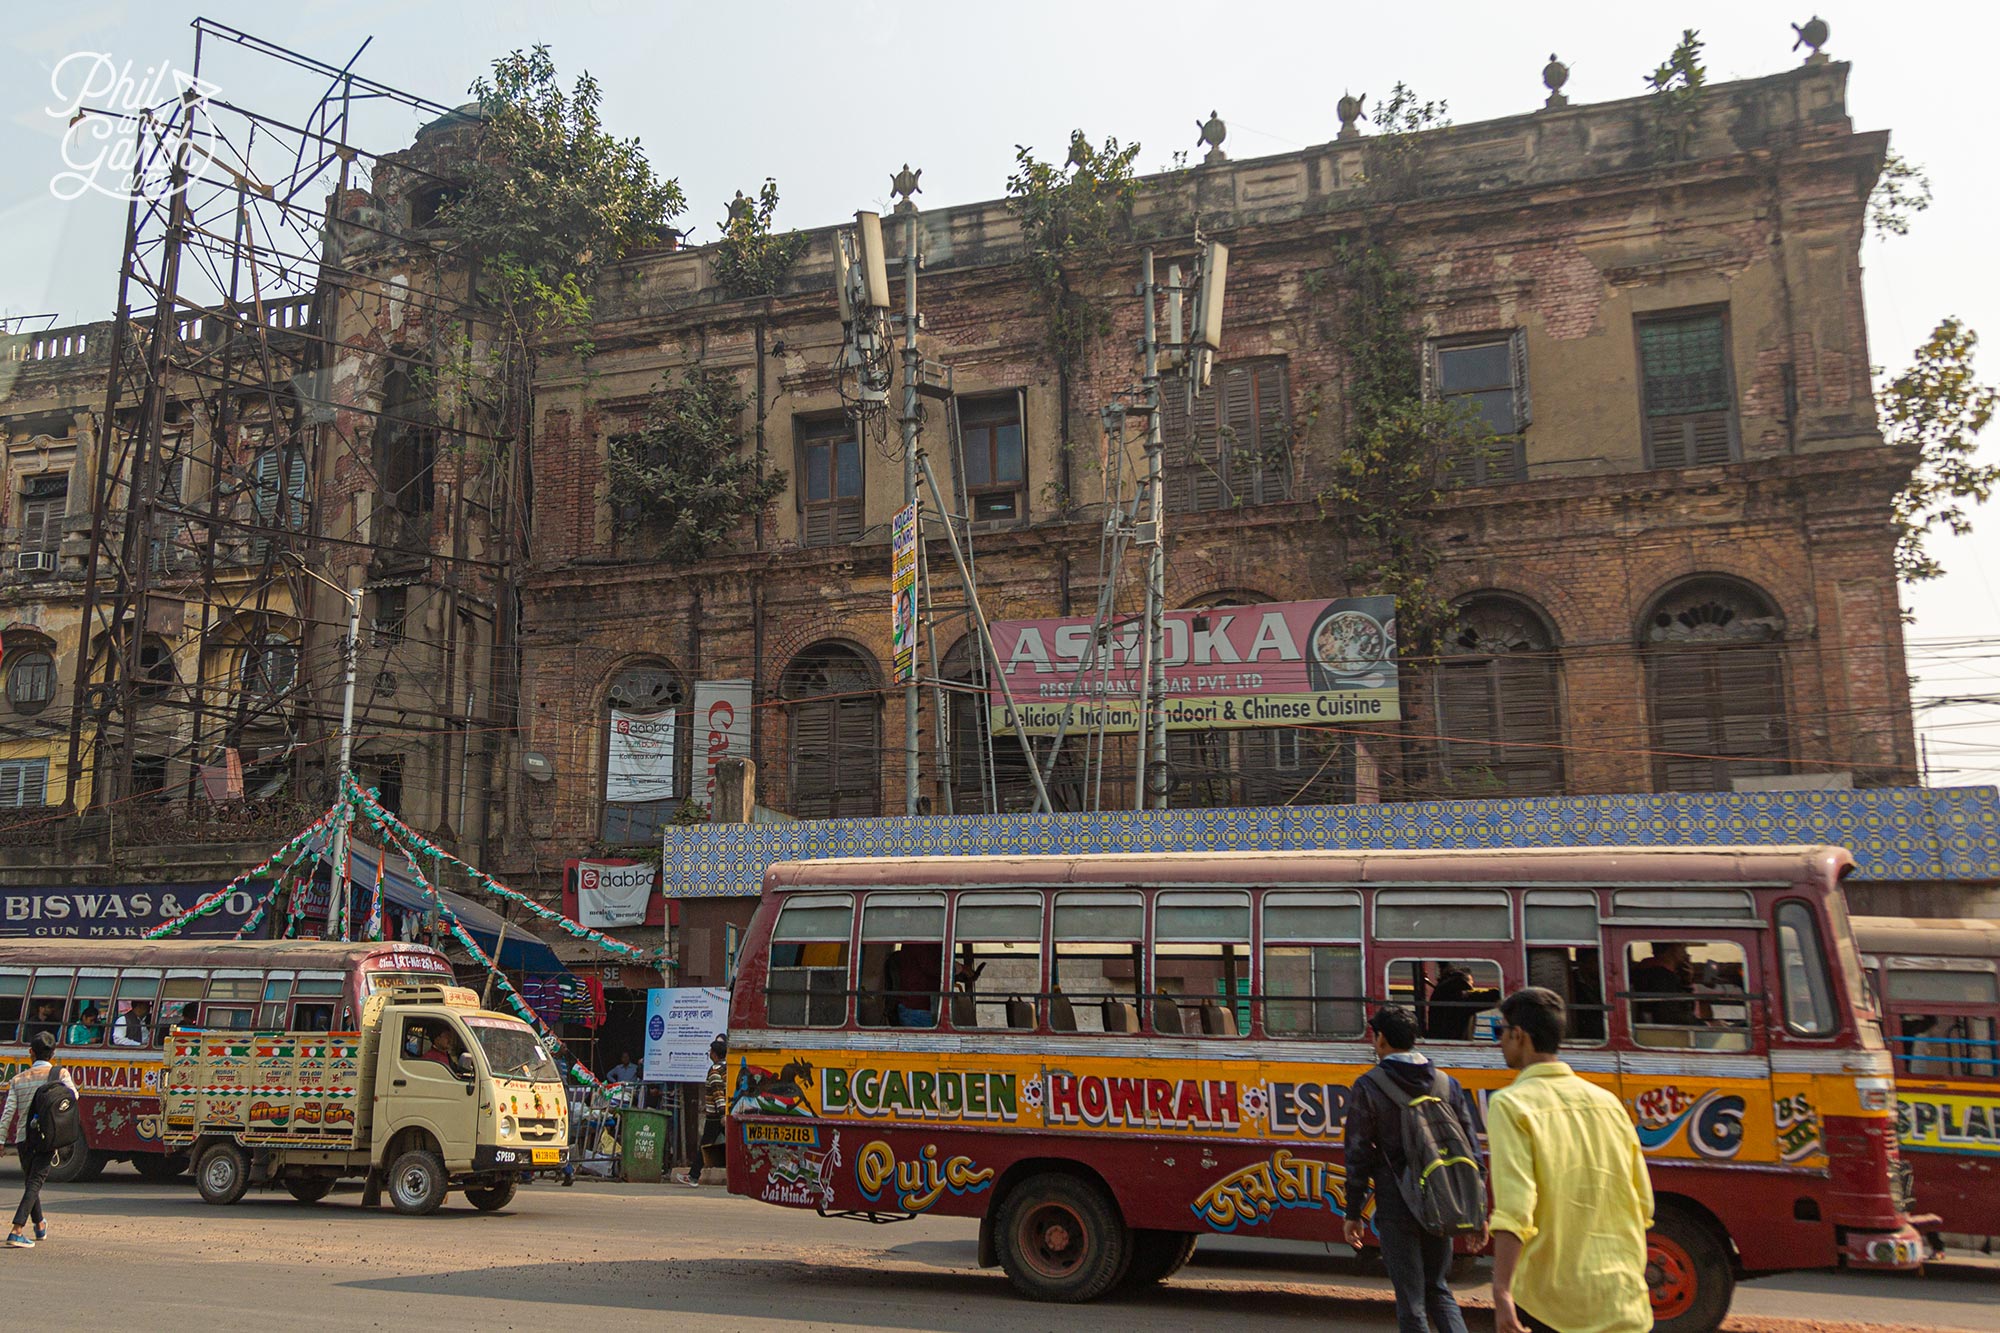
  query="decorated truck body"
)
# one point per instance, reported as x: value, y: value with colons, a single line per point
x: 432, y: 1094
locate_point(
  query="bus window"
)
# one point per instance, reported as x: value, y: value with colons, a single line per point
x: 314, y: 1000
x: 277, y: 990
x: 13, y: 1004
x: 180, y: 1002
x: 90, y: 1008
x: 48, y: 1004
x: 1802, y: 958
x: 132, y: 1016
x: 1932, y: 1040
x: 901, y: 977
x: 1454, y: 999
x: 1451, y: 914
x: 1312, y: 965
x: 1201, y: 963
x: 997, y: 960
x: 808, y: 981
x: 1097, y: 947
x: 1690, y: 994
x: 232, y: 1001
x: 1564, y: 956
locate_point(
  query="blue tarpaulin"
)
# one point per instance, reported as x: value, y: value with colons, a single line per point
x: 521, y: 952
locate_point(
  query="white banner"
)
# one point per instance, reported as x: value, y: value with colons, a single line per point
x: 613, y: 895
x: 721, y: 729
x: 680, y: 1023
x: 641, y: 763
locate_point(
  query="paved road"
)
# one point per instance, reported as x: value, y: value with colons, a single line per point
x: 124, y: 1252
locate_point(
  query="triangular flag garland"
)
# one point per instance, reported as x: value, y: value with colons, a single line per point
x: 294, y: 878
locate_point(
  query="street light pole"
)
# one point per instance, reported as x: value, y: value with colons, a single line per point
x: 338, y: 884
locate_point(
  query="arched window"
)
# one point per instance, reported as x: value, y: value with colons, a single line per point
x: 270, y: 669
x: 31, y: 674
x: 1715, y: 686
x: 1498, y: 707
x: 836, y: 741
x: 278, y: 495
x: 156, y: 673
x: 642, y: 755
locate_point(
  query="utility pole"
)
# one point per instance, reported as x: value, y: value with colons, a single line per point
x: 1150, y: 789
x: 913, y: 369
x: 337, y: 914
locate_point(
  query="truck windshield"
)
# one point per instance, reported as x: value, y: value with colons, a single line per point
x: 513, y: 1051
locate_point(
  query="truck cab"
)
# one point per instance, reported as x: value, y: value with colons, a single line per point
x: 432, y: 1094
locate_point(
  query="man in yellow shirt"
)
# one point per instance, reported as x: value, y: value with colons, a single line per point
x: 1571, y: 1198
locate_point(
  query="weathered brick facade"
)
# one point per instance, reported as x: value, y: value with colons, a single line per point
x: 1557, y: 225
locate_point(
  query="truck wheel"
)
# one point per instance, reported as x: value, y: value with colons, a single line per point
x: 160, y: 1166
x: 222, y: 1173
x: 417, y: 1182
x: 1157, y: 1256
x: 492, y: 1198
x: 309, y: 1189
x: 1061, y: 1239
x: 1690, y: 1272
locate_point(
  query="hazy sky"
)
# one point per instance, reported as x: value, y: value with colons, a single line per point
x: 832, y: 98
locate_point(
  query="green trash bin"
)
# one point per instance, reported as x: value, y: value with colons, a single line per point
x: 642, y: 1144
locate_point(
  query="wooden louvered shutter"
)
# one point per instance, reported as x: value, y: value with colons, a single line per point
x: 1177, y: 454
x: 1526, y: 717
x: 1718, y: 713
x: 813, y: 763
x: 847, y: 515
x: 856, y: 762
x: 1207, y: 452
x: 1274, y: 455
x: 1689, y: 407
x: 1517, y: 358
x: 35, y: 782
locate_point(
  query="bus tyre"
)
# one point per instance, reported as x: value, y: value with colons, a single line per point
x: 1689, y: 1272
x: 72, y: 1164
x: 309, y: 1189
x: 417, y: 1182
x: 1157, y: 1256
x: 1061, y: 1239
x: 222, y: 1173
x: 492, y: 1198
x: 160, y: 1166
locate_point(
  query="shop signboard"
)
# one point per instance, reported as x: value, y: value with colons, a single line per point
x: 681, y: 1021
x: 903, y: 591
x: 1276, y: 664
x: 109, y: 911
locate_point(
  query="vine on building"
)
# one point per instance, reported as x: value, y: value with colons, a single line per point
x: 683, y: 481
x: 750, y: 259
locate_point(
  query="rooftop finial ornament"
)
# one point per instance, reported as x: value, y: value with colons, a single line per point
x: 904, y: 183
x: 1350, y: 111
x: 1213, y: 132
x: 1812, y: 33
x: 1554, y: 75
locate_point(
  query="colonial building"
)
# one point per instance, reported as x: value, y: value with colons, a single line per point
x: 1673, y: 573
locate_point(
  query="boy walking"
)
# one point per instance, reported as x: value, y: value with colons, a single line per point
x: 714, y: 1105
x: 1571, y: 1198
x: 1417, y: 1258
x: 21, y: 1127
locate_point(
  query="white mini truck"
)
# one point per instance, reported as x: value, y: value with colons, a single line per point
x: 432, y: 1094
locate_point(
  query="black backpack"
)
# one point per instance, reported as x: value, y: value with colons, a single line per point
x: 54, y: 1121
x: 1441, y: 1180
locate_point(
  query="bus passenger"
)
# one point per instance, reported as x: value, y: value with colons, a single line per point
x: 1454, y: 1003
x: 913, y: 977
x: 1665, y: 973
x: 135, y: 1025
x: 46, y: 1017
x: 88, y: 1029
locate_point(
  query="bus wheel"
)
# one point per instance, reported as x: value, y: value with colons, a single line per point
x: 1157, y: 1256
x: 309, y: 1189
x: 72, y: 1164
x: 1689, y: 1273
x: 160, y: 1166
x: 491, y: 1198
x: 417, y: 1182
x: 222, y: 1174
x: 1061, y: 1239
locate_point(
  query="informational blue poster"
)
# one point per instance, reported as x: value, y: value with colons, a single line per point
x: 680, y: 1023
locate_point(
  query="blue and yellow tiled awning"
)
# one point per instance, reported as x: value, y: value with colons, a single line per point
x: 1946, y: 835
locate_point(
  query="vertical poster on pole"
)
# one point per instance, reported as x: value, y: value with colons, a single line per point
x: 680, y: 1023
x: 903, y: 588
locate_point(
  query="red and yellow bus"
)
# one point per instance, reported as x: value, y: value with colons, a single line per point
x: 110, y: 1004
x: 1939, y: 988
x: 1106, y: 1057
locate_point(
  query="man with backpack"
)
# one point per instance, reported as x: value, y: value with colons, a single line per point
x: 1412, y: 1143
x: 41, y: 1118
